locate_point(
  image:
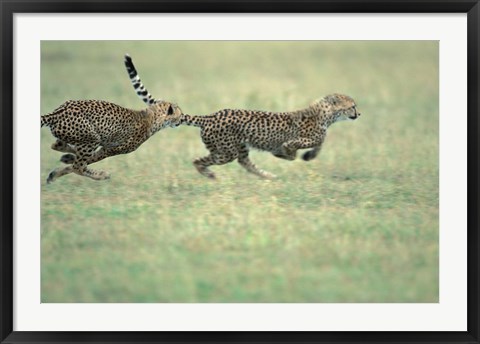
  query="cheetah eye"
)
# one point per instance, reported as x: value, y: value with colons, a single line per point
x: 170, y: 110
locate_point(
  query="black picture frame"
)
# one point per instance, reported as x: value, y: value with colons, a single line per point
x: 10, y: 7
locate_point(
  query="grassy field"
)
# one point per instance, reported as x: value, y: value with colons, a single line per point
x: 357, y: 224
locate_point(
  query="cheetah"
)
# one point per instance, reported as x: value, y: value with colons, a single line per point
x: 230, y: 133
x: 92, y: 130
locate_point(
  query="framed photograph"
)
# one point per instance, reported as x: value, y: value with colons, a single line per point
x: 189, y: 181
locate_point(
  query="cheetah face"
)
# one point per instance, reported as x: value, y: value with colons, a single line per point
x: 343, y: 107
x: 348, y: 114
x: 174, y: 115
x: 166, y: 114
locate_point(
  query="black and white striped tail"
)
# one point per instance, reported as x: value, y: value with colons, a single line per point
x: 137, y: 83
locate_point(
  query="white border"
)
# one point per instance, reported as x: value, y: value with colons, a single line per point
x: 448, y: 315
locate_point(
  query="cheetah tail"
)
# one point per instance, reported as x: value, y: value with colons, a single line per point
x: 136, y: 82
x: 195, y: 121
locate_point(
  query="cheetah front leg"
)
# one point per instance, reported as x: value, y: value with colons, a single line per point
x: 62, y: 146
x: 284, y: 153
x: 85, y: 154
x: 245, y: 162
x: 311, y: 154
x: 216, y: 158
x: 100, y: 154
x: 78, y: 168
x: 67, y: 158
x: 289, y: 149
x: 104, y: 153
x: 58, y: 172
x: 202, y: 164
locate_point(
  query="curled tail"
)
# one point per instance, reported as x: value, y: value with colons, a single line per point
x: 137, y: 83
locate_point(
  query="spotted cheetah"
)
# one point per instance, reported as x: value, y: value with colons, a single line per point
x: 229, y: 134
x: 92, y: 130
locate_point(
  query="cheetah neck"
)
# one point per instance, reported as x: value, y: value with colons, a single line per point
x: 326, y: 119
x: 147, y: 119
x: 310, y: 116
x: 322, y: 112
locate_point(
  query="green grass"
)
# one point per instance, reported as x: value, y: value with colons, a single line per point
x: 357, y: 224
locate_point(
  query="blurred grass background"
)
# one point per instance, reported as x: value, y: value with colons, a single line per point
x: 358, y: 224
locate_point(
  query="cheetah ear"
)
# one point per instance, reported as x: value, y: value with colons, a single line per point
x: 170, y: 110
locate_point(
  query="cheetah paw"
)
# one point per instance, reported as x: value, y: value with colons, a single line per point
x: 51, y: 176
x: 268, y: 175
x: 102, y: 175
x: 210, y: 175
x: 308, y: 155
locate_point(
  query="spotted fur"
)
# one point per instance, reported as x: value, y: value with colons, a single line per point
x: 229, y: 134
x: 92, y: 130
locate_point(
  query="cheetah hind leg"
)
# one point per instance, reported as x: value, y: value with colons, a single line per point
x: 252, y: 168
x: 202, y: 164
x: 246, y: 163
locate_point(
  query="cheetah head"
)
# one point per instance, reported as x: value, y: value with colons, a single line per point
x: 342, y: 107
x: 165, y: 114
x: 336, y: 107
